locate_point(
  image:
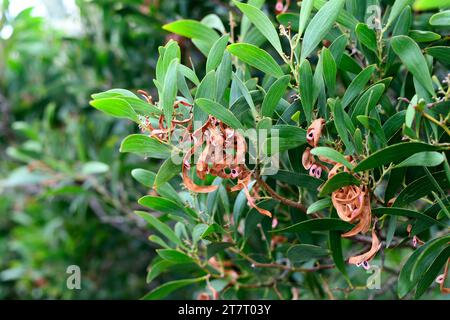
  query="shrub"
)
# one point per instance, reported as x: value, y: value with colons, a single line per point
x: 302, y: 153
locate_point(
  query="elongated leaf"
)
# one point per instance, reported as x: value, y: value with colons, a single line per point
x: 423, y: 159
x: 168, y: 287
x: 341, y: 128
x: 115, y: 107
x: 367, y: 36
x: 397, y: 8
x: 273, y: 96
x: 324, y: 224
x: 420, y: 188
x: 320, y: 25
x: 305, y: 12
x: 216, y: 53
x: 412, y: 57
x: 329, y: 71
x: 368, y: 101
x: 432, y: 272
x: 161, y: 227
x: 297, y: 179
x: 289, y: 137
x: 174, y: 256
x: 421, y: 5
x: 319, y: 205
x: 256, y: 58
x: 142, y: 144
x: 305, y: 252
x: 441, y: 18
x: 344, y: 18
x: 157, y: 268
x: 440, y: 53
x: 405, y: 213
x: 161, y: 205
x: 357, y: 85
x: 338, y: 181
x: 262, y: 23
x: 220, y: 112
x: 169, y: 91
x: 306, y: 89
x: 424, y: 36
x: 167, y: 171
x: 194, y: 30
x: 331, y: 154
x: 394, y: 153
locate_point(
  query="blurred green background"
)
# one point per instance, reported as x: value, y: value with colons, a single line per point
x: 66, y: 194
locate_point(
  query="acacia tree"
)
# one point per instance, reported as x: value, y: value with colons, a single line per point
x: 300, y: 157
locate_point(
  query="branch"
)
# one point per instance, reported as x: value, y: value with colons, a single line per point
x: 279, y: 197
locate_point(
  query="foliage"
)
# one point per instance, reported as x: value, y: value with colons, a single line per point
x: 360, y: 104
x: 66, y: 197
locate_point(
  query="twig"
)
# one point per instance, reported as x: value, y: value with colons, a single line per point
x: 279, y: 197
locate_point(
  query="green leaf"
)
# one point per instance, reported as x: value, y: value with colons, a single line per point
x: 115, y: 107
x: 324, y: 224
x: 168, y: 287
x: 338, y: 181
x: 160, y: 226
x: 367, y: 36
x: 174, y: 256
x: 246, y: 94
x: 421, y: 5
x: 329, y: 71
x: 344, y: 18
x: 397, y: 8
x: 374, y: 126
x: 341, y: 128
x: 289, y: 19
x: 194, y: 30
x: 161, y: 205
x: 424, y: 36
x: 440, y: 53
x: 213, y: 248
x: 219, y: 111
x: 297, y: 179
x: 305, y: 252
x: 423, y: 159
x: 331, y: 154
x: 262, y: 23
x: 441, y: 18
x: 320, y: 25
x: 256, y: 58
x: 157, y: 268
x: 432, y: 272
x: 417, y: 264
x: 169, y: 91
x: 306, y: 89
x: 142, y: 144
x: 273, y: 96
x: 420, y: 188
x: 411, y: 56
x: 394, y: 211
x: 114, y: 93
x: 394, y: 153
x: 368, y: 101
x: 319, y: 205
x: 189, y: 74
x: 216, y: 53
x: 305, y: 12
x: 289, y: 137
x: 335, y: 244
x: 357, y: 85
x: 166, y: 172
